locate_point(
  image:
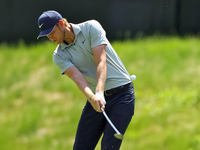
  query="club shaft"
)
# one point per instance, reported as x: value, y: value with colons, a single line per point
x: 104, y: 113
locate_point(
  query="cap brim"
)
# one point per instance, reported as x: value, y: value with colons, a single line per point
x: 45, y: 32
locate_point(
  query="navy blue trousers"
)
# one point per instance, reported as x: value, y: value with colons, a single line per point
x: 119, y: 108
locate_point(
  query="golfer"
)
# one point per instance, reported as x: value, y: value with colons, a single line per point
x: 85, y: 55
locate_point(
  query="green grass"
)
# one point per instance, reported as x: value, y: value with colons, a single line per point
x: 40, y: 109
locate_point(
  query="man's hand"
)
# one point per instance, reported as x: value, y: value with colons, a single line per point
x: 101, y: 96
x: 97, y: 101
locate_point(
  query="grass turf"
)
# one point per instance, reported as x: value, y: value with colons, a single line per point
x: 40, y: 108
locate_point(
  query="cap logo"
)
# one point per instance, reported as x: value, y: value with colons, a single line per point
x: 41, y: 25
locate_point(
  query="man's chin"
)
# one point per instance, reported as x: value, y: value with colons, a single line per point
x: 57, y: 42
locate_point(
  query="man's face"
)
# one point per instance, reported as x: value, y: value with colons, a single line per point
x: 57, y: 35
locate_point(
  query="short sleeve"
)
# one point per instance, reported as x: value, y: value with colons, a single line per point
x: 62, y: 63
x: 97, y: 34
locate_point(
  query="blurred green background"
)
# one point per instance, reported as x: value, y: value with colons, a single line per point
x: 40, y: 109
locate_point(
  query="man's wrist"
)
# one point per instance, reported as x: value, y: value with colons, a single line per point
x: 91, y: 97
x: 99, y: 93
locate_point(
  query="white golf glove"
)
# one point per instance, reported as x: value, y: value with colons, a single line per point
x: 101, y: 96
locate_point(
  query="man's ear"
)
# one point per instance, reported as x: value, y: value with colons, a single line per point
x: 61, y: 22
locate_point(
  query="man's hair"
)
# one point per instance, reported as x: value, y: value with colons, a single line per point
x: 66, y: 23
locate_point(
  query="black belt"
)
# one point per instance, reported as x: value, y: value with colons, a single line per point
x: 114, y: 90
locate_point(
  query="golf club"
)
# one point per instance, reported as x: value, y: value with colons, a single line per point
x: 118, y: 135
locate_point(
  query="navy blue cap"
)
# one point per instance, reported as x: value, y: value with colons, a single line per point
x: 47, y: 21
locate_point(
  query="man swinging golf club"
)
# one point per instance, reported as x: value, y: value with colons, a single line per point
x: 85, y: 55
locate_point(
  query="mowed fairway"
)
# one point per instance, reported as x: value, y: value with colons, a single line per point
x: 40, y: 108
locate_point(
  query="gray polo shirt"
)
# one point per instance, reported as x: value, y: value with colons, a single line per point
x: 79, y: 54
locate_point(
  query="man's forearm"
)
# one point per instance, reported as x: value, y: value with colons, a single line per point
x: 80, y: 81
x: 84, y: 87
x: 101, y: 76
x: 99, y: 54
x: 95, y: 100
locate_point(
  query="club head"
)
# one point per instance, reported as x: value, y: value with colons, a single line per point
x: 119, y: 136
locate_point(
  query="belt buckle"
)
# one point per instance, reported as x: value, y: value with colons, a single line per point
x: 106, y: 94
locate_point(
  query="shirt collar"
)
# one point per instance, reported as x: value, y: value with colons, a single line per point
x: 76, y: 30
